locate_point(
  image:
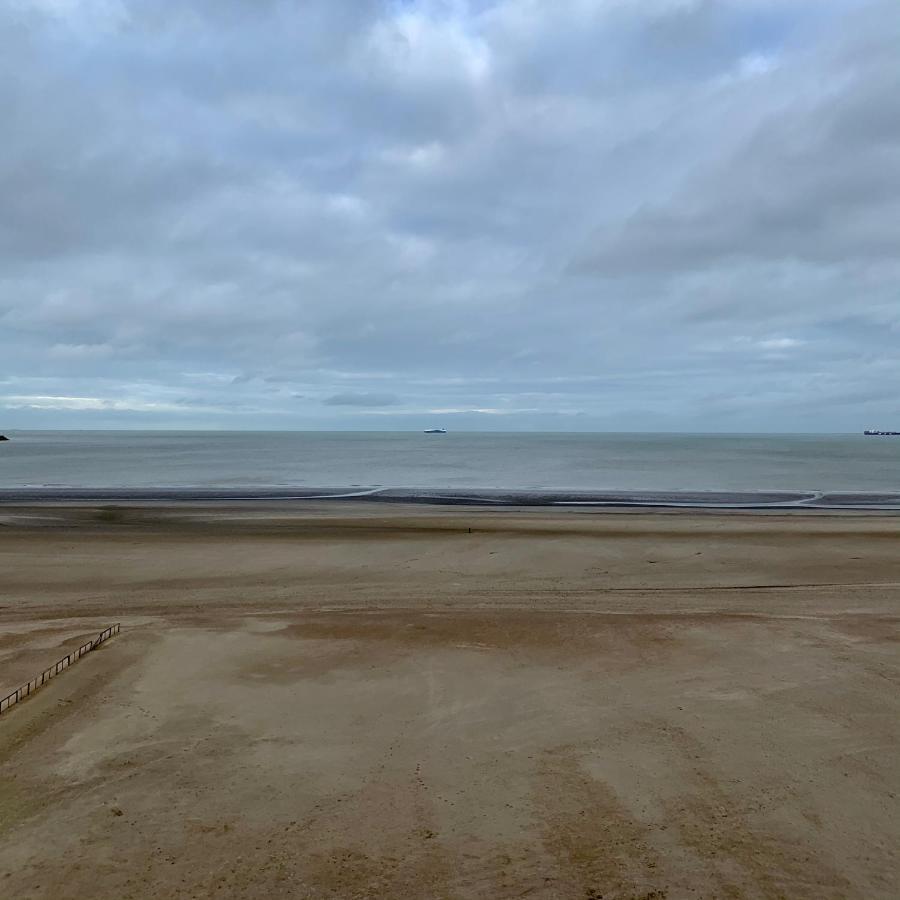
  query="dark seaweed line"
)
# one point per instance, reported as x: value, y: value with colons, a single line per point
x: 848, y: 500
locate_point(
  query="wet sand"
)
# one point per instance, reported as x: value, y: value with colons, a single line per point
x: 682, y: 499
x: 310, y: 700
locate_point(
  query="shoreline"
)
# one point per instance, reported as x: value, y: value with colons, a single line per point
x: 482, y: 497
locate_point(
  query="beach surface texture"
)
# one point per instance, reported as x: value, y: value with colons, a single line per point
x: 326, y: 700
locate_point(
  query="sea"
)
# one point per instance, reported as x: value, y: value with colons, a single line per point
x: 530, y: 461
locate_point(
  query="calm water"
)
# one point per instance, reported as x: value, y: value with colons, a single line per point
x: 528, y: 461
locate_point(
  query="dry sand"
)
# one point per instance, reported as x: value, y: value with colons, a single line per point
x: 311, y: 701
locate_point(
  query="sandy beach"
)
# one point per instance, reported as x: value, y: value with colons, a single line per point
x: 357, y: 701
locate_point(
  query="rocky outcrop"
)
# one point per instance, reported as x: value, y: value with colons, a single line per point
x: 3, y: 437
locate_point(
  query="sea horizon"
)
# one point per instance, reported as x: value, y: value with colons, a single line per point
x: 518, y: 461
x: 153, y: 429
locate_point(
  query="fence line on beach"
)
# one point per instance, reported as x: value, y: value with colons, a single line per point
x: 54, y: 670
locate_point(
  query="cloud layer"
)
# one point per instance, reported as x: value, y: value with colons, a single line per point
x: 673, y: 214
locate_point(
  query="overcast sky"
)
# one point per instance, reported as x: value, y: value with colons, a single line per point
x: 493, y: 214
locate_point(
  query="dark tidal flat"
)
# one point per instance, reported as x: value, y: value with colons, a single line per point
x: 460, y: 496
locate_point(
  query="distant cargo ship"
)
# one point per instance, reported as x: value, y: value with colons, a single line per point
x: 873, y: 433
x: 435, y: 431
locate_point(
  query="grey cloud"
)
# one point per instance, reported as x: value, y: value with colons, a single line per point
x: 471, y: 206
x: 817, y: 181
x: 364, y: 400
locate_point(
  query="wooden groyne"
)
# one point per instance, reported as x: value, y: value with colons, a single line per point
x: 39, y: 680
